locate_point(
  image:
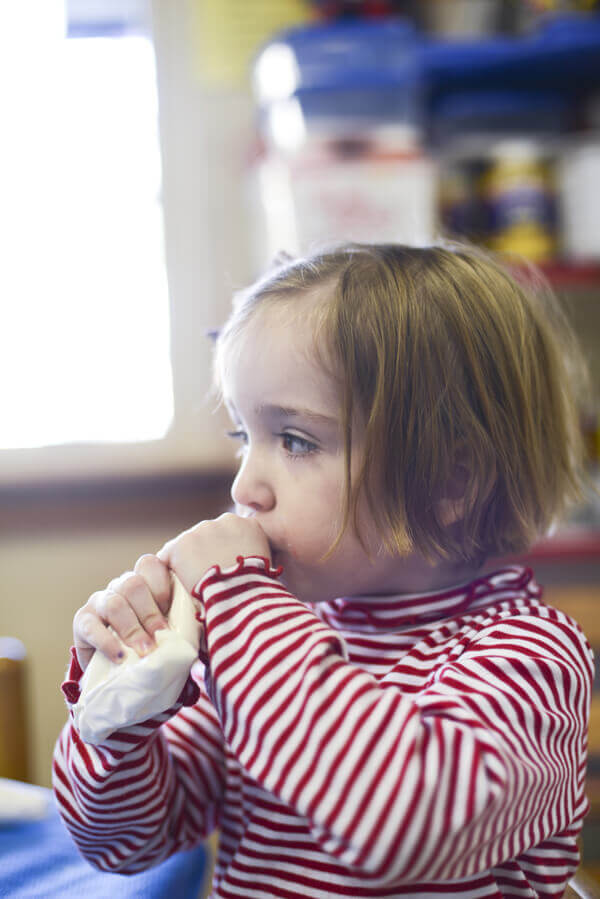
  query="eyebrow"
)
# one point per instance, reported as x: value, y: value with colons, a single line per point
x: 274, y: 411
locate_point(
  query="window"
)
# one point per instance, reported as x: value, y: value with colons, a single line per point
x: 84, y: 351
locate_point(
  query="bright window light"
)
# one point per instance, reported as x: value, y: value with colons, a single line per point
x: 84, y: 345
x: 276, y: 74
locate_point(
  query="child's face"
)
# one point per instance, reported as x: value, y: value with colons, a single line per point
x: 286, y: 414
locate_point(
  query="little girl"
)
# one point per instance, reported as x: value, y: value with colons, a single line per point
x: 371, y: 715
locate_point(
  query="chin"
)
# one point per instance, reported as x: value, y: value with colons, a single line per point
x: 301, y: 581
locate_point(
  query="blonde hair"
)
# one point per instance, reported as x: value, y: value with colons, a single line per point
x: 466, y: 384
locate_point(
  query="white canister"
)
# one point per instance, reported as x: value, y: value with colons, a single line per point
x: 579, y: 199
x: 373, y: 187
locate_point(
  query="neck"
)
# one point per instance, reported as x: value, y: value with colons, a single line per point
x: 413, y: 575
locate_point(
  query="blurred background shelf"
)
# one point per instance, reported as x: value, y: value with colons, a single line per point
x: 568, y: 546
x: 565, y: 275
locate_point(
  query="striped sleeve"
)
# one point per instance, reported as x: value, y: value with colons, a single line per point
x: 482, y: 765
x: 146, y: 791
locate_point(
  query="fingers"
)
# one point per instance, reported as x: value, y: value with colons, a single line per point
x: 158, y: 578
x: 131, y: 609
x: 182, y: 555
x: 90, y: 633
x: 213, y: 542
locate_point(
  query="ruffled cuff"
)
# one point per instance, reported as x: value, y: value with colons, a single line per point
x: 70, y: 686
x: 243, y: 565
x: 190, y: 693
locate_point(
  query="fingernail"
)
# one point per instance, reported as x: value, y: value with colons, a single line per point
x: 144, y: 647
x: 120, y: 656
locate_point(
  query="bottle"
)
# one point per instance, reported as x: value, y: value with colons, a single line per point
x: 14, y: 761
x: 517, y: 191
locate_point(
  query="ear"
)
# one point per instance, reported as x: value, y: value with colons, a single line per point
x: 460, y: 493
x: 450, y: 510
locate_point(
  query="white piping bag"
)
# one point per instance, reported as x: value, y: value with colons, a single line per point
x: 119, y: 695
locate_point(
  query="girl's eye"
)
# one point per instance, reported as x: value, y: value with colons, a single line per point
x: 297, y: 446
x: 238, y: 435
x: 241, y: 437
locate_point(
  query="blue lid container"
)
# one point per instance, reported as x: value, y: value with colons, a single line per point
x: 563, y: 55
x: 354, y: 68
x: 386, y: 70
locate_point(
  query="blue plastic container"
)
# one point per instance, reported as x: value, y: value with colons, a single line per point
x: 387, y: 70
x: 354, y: 69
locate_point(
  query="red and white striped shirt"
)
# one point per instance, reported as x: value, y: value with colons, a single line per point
x: 415, y: 746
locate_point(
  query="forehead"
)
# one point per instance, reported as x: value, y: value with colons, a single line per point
x: 273, y: 360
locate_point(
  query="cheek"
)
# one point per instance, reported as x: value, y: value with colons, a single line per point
x: 311, y: 534
x: 319, y: 526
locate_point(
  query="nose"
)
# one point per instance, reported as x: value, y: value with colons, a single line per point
x: 252, y: 488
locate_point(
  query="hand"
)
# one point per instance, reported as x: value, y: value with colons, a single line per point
x: 217, y: 541
x: 135, y: 605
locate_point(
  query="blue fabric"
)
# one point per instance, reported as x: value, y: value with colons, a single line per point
x: 38, y: 860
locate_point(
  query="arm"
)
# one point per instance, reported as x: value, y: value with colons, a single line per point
x: 484, y: 764
x: 151, y: 789
x: 148, y: 790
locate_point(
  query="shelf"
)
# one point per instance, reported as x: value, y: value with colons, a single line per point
x: 561, y: 275
x: 572, y: 545
x: 564, y: 274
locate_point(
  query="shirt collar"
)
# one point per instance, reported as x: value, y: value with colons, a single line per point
x: 393, y: 612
